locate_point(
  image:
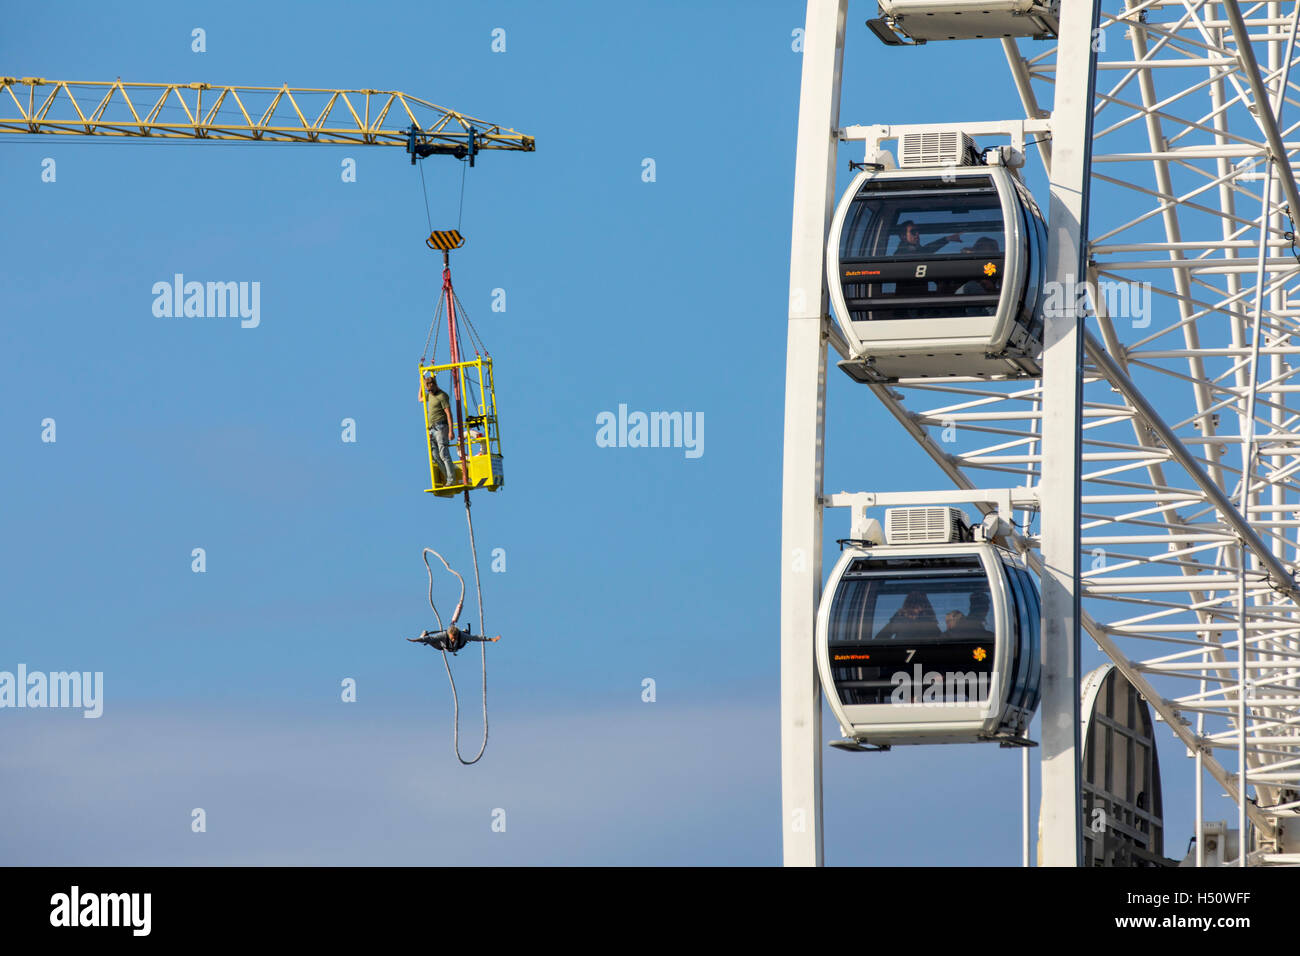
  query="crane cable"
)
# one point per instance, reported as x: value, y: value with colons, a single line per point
x: 460, y: 214
x: 478, y: 588
x: 435, y: 331
x: 475, y: 340
x: 427, y: 215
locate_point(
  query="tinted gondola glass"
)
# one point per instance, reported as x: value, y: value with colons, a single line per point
x: 1024, y: 629
x: 889, y: 632
x: 923, y: 248
x: 1031, y: 317
x: 1031, y: 611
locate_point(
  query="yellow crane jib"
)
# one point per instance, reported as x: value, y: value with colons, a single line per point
x: 284, y: 114
x: 467, y: 453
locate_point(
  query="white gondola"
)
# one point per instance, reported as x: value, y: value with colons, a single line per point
x: 919, y: 21
x: 929, y: 643
x: 936, y: 269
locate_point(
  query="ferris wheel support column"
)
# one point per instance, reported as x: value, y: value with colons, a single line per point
x: 805, y: 398
x: 1060, y: 484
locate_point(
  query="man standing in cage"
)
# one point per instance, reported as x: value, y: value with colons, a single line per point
x: 437, y: 419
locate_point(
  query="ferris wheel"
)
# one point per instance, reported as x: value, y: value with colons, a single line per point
x: 1107, y: 371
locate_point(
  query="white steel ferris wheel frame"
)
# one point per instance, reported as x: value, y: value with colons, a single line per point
x: 1151, y: 542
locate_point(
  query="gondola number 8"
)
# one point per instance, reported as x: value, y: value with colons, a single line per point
x: 920, y: 270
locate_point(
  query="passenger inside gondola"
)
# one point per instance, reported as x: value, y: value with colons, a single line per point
x: 987, y: 282
x: 910, y: 243
x: 974, y: 625
x: 915, y: 620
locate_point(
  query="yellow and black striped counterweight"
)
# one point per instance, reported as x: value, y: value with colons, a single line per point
x: 445, y: 240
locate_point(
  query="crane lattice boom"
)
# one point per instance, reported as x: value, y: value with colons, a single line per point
x: 243, y: 113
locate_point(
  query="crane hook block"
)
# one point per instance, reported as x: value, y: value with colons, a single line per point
x: 445, y: 239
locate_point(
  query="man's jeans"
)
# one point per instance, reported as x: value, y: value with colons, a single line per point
x: 441, y: 454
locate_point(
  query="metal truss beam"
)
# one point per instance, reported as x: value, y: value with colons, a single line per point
x: 1263, y: 111
x: 1280, y: 576
x: 200, y: 111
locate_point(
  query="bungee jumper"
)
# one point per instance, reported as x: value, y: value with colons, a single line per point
x: 450, y: 638
x: 454, y: 639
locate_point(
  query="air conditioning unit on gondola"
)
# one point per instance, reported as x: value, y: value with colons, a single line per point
x: 936, y: 149
x: 926, y: 526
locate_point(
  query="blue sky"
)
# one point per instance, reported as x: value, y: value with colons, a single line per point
x: 223, y: 688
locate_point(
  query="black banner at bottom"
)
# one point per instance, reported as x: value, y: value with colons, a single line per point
x: 103, y: 905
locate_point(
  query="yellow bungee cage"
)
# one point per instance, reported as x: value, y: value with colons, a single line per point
x: 458, y: 397
x: 474, y: 438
